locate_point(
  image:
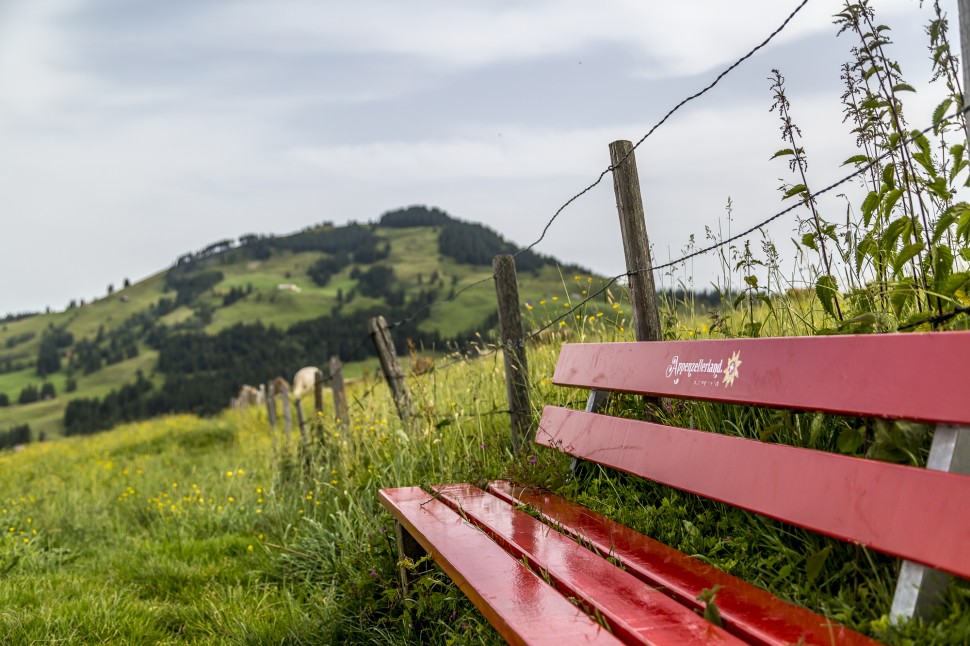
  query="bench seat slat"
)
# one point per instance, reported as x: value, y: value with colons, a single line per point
x: 916, y: 514
x: 637, y: 613
x: 903, y: 376
x: 523, y: 608
x: 747, y: 610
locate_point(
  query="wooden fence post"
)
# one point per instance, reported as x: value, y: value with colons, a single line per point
x: 287, y: 414
x: 336, y: 371
x: 318, y: 392
x: 636, y: 245
x: 513, y: 345
x: 300, y: 422
x: 381, y: 336
x: 636, y: 248
x: 270, y: 406
x: 963, y: 8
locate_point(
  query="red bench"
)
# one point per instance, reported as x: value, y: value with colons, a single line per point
x: 547, y: 580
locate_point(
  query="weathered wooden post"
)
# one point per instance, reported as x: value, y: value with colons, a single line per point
x: 318, y: 392
x: 513, y: 346
x: 301, y: 423
x: 303, y: 451
x: 410, y: 549
x: 287, y: 414
x: 336, y: 371
x: 636, y: 245
x: 381, y: 336
x: 963, y: 6
x: 270, y: 406
x: 636, y: 249
x: 919, y: 588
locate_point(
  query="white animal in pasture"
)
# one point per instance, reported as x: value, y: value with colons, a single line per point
x: 249, y: 395
x: 304, y: 381
x: 277, y: 386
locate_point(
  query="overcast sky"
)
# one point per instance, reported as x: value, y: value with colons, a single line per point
x: 132, y: 131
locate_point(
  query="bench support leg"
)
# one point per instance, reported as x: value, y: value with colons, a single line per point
x: 919, y: 587
x: 598, y: 399
x: 407, y: 548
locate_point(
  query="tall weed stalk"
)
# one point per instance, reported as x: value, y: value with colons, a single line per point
x: 904, y: 256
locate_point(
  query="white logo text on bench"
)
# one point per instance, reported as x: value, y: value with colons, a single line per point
x: 705, y: 370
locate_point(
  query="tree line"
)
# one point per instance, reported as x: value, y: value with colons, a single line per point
x: 201, y: 372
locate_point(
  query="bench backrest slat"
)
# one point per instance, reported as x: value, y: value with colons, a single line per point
x: 921, y: 377
x: 917, y: 514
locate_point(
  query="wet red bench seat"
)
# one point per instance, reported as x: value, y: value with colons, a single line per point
x: 560, y: 574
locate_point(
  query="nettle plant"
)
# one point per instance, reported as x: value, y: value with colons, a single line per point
x: 902, y: 256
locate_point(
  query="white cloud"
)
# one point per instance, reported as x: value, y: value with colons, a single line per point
x: 35, y: 61
x: 676, y: 38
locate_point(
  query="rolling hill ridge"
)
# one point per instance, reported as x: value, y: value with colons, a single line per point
x: 242, y: 311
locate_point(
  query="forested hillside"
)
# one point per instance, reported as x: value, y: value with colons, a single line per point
x: 245, y: 310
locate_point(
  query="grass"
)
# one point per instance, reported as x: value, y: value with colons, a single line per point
x: 215, y: 531
x: 461, y: 440
x: 153, y: 533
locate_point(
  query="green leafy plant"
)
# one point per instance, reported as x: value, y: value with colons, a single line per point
x: 902, y: 253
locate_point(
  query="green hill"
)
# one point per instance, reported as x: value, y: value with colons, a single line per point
x: 243, y: 311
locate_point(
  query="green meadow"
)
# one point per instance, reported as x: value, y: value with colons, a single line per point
x: 189, y: 530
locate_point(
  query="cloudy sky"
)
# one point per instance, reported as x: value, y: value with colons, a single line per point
x: 134, y: 130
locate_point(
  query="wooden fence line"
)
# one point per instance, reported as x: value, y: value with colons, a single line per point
x: 643, y: 294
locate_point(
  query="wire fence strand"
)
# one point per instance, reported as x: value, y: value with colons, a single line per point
x: 860, y: 170
x: 757, y: 227
x: 662, y: 121
x: 609, y: 169
x: 863, y: 168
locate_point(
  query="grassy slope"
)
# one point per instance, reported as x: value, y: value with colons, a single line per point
x: 108, y: 311
x: 47, y: 416
x: 149, y: 534
x: 414, y: 253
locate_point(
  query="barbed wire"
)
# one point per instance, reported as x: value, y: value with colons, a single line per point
x: 603, y: 174
x: 360, y: 345
x: 390, y: 326
x: 722, y: 243
x: 451, y: 299
x: 936, y: 320
x: 368, y: 393
x: 861, y: 169
x: 667, y: 116
x: 904, y: 141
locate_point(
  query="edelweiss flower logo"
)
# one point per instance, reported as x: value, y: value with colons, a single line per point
x: 731, y: 372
